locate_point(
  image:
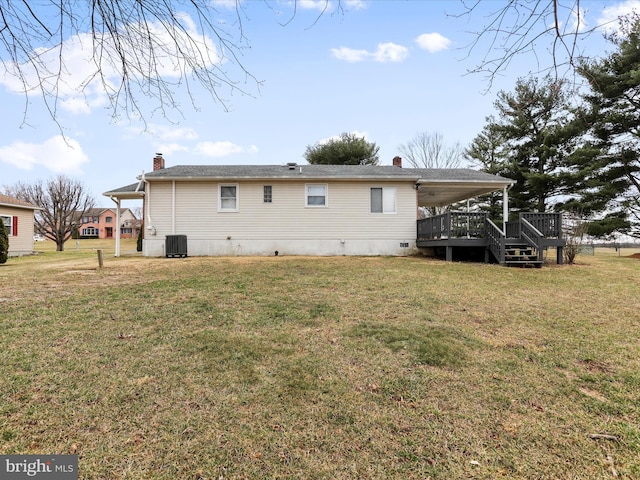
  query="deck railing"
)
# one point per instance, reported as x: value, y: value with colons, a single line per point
x: 538, y: 231
x: 548, y: 224
x: 496, y: 241
x: 532, y: 236
x: 452, y: 225
x: 473, y: 225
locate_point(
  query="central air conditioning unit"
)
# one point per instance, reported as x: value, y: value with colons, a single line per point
x: 176, y: 246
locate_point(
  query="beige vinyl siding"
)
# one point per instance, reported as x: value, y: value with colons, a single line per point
x: 159, y: 205
x: 23, y: 243
x: 346, y: 216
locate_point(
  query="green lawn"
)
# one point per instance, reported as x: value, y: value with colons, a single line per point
x: 295, y: 367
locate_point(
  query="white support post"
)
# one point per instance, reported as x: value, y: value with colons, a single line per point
x: 505, y: 209
x: 117, y: 202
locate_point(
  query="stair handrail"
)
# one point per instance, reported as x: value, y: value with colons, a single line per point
x: 495, y: 240
x: 532, y: 236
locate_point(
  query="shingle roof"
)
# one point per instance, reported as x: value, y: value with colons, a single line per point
x: 291, y: 171
x: 14, y: 202
x: 133, y: 191
x: 278, y: 171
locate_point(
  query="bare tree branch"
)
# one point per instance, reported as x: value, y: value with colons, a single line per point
x: 132, y: 50
x: 552, y: 28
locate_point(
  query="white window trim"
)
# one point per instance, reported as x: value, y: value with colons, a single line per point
x: 307, y: 186
x: 220, y: 187
x: 395, y: 201
x: 264, y: 198
x: 8, y: 225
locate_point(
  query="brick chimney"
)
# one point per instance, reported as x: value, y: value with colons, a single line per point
x: 158, y: 162
x: 397, y: 162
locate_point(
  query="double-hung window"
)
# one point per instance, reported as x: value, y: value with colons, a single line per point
x: 267, y: 191
x: 383, y: 200
x: 316, y: 195
x: 228, y: 198
x: 8, y: 224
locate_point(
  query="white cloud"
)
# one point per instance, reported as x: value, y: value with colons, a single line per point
x: 78, y: 90
x: 349, y: 54
x: 170, y: 148
x: 56, y: 154
x: 610, y: 15
x: 222, y: 149
x: 172, y: 134
x: 224, y: 3
x: 433, y: 42
x: 390, y: 52
x: 578, y: 20
x: 386, y: 52
x: 355, y: 4
x: 313, y: 4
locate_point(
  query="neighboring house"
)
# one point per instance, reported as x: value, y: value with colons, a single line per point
x: 101, y: 223
x: 318, y: 210
x: 18, y: 219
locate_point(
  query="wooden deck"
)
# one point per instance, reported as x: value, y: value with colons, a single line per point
x: 522, y: 242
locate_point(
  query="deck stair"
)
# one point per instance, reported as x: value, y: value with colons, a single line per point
x: 521, y: 255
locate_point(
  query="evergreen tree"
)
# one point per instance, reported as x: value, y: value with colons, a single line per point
x: 348, y: 149
x: 613, y: 122
x: 535, y: 124
x: 139, y: 240
x: 487, y: 153
x: 4, y: 243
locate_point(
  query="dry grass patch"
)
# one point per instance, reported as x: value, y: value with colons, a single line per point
x: 322, y: 367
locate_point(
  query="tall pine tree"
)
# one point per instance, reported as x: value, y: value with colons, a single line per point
x: 486, y: 151
x: 613, y: 123
x: 535, y: 123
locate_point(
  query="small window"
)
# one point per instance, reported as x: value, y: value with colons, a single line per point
x: 316, y: 195
x: 383, y: 200
x: 90, y: 232
x: 268, y: 194
x: 109, y: 219
x: 7, y: 224
x: 228, y: 198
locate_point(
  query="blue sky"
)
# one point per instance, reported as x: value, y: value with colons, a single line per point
x: 386, y: 69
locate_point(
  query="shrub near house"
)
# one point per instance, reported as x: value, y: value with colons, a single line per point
x: 4, y: 243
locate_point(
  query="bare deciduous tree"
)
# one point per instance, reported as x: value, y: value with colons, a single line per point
x: 542, y: 28
x: 574, y: 228
x: 130, y: 49
x: 62, y: 201
x: 429, y: 150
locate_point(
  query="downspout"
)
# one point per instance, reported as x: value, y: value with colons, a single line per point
x: 173, y: 207
x: 146, y: 215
